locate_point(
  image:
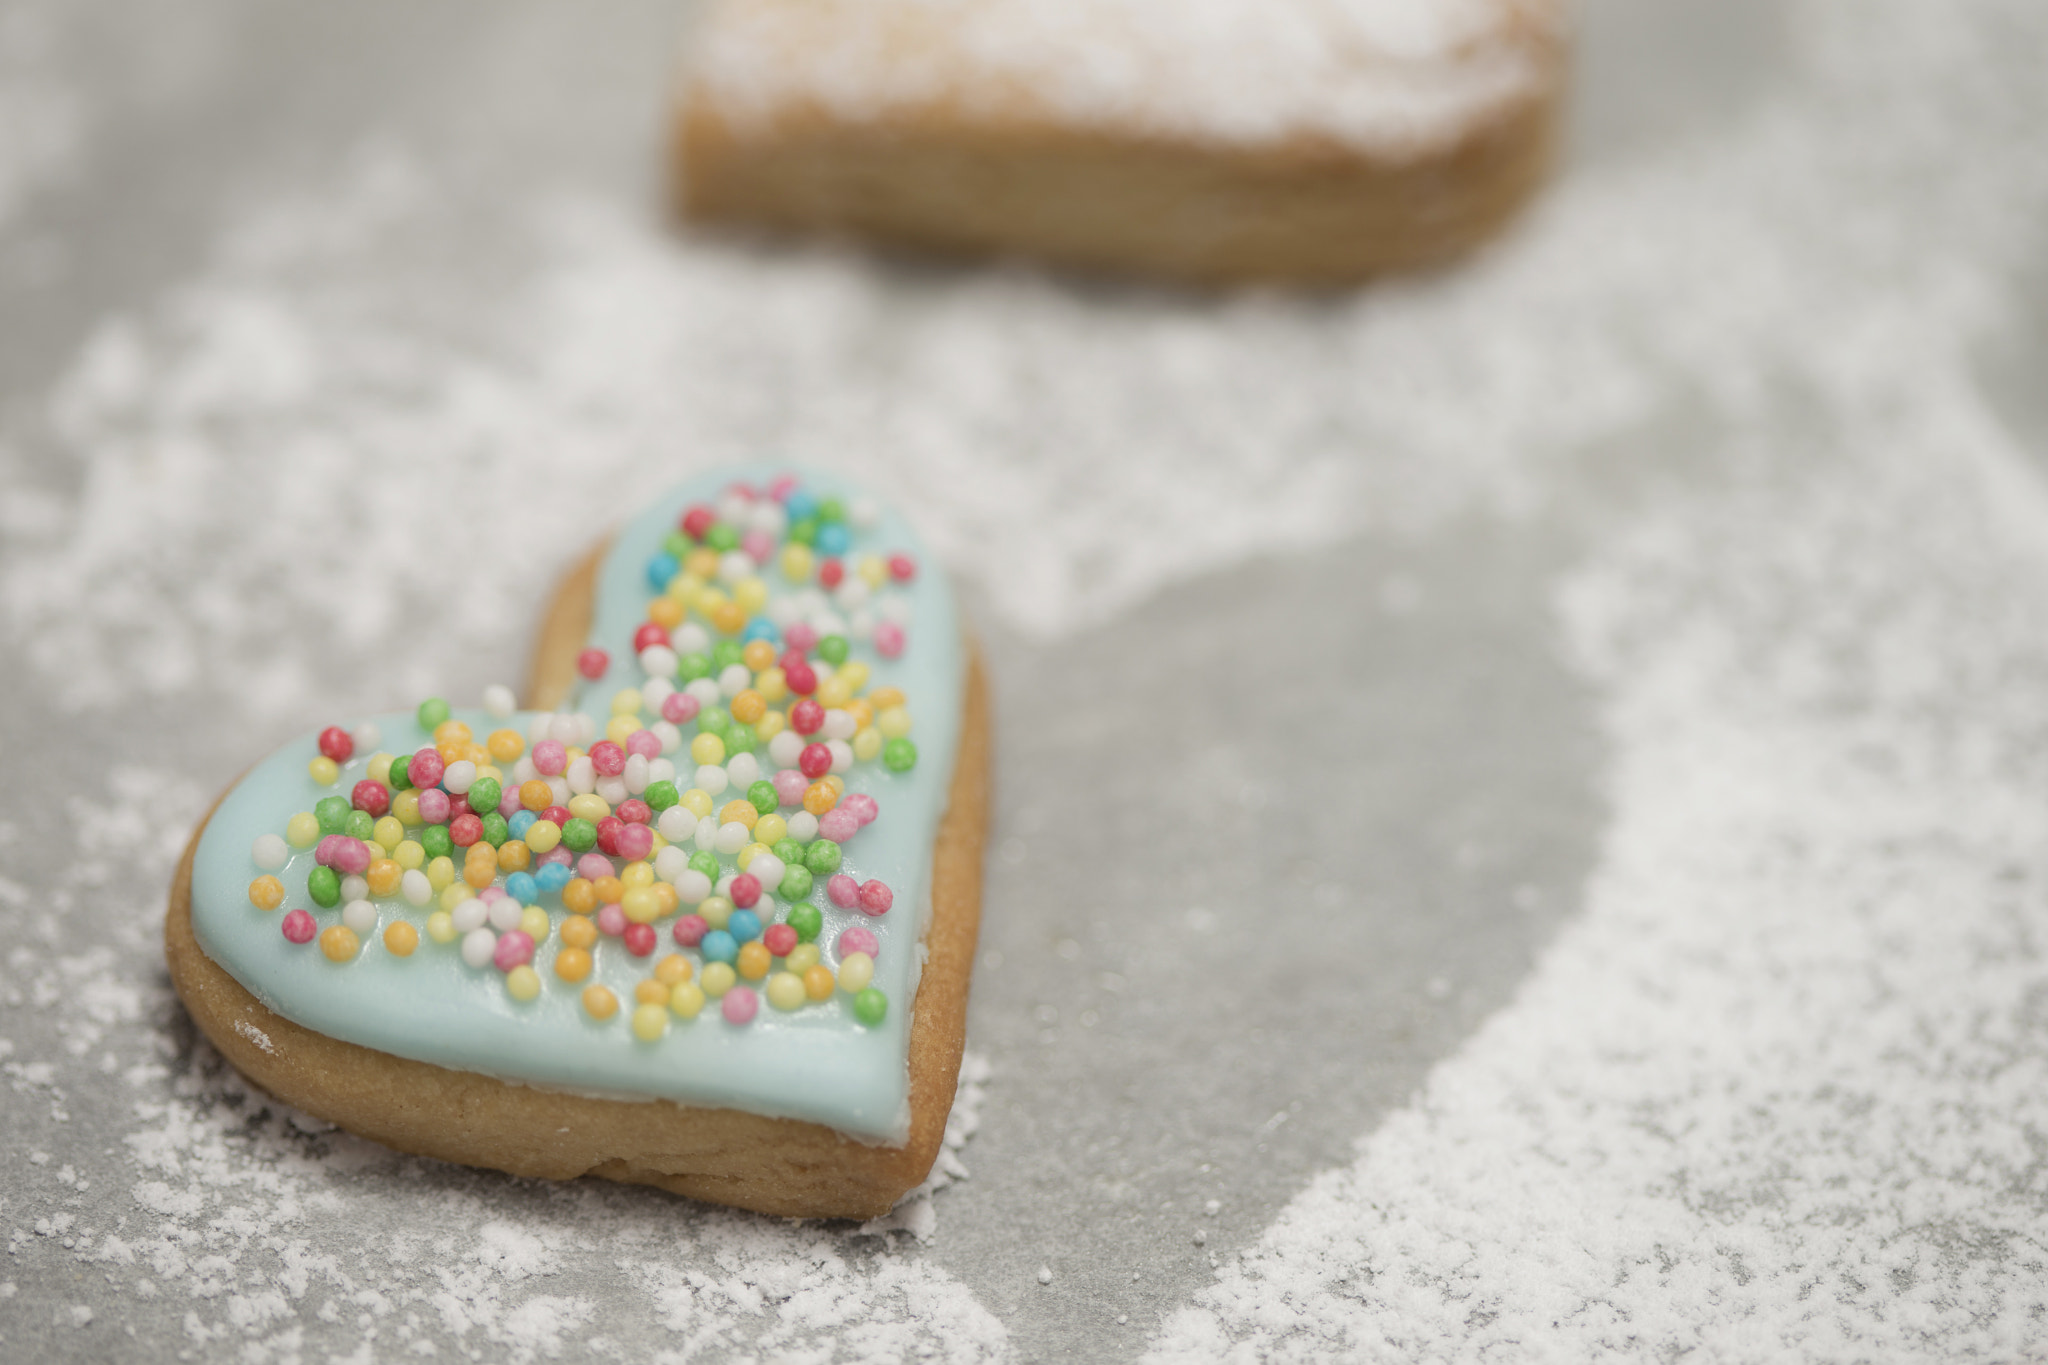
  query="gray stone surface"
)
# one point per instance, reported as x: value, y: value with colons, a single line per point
x: 1231, y: 924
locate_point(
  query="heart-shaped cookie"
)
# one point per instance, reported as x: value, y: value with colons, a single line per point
x: 707, y: 925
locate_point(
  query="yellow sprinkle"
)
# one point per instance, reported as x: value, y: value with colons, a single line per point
x: 650, y: 1022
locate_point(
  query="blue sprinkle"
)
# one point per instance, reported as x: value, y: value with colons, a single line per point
x: 554, y: 877
x: 719, y: 946
x: 521, y: 821
x: 761, y: 628
x: 661, y: 569
x: 834, y: 538
x: 743, y: 925
x: 522, y: 887
x: 800, y: 505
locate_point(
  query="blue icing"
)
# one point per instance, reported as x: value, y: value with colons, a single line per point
x: 816, y: 1063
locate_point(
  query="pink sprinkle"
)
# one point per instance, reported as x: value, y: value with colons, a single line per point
x: 782, y: 486
x: 644, y: 743
x: 806, y: 717
x: 650, y: 633
x: 759, y: 545
x: 679, y: 707
x: 608, y: 758
x: 739, y: 1005
x: 370, y: 796
x: 861, y: 807
x: 790, y: 786
x: 550, y: 758
x: 746, y: 890
x: 611, y: 919
x: 426, y: 768
x: 634, y: 811
x: 351, y: 857
x: 838, y: 824
x: 592, y: 663
x: 739, y: 488
x: 802, y: 680
x: 888, y: 639
x: 639, y: 939
x: 515, y: 949
x: 843, y: 890
x: 902, y: 568
x: 801, y: 635
x: 634, y: 841
x: 690, y: 930
x: 557, y: 857
x: 858, y: 940
x: 434, y: 806
x: 779, y: 939
x: 876, y: 898
x: 815, y: 760
x: 591, y: 866
x: 323, y: 852
x: 509, y: 804
x: 791, y: 657
x: 300, y: 927
x: 490, y: 895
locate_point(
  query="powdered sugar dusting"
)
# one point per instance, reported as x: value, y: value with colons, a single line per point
x: 1780, y: 1090
x: 1391, y: 76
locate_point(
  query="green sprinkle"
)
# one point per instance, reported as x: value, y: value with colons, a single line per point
x: 484, y: 795
x: 332, y: 813
x: 432, y: 712
x: 831, y: 509
x: 659, y: 796
x: 434, y: 839
x: 722, y: 537
x: 788, y: 852
x: 579, y: 834
x: 832, y: 649
x: 714, y: 720
x: 739, y: 739
x: 796, y: 882
x: 323, y: 884
x: 871, y: 1007
x: 761, y: 796
x: 705, y: 861
x: 726, y: 653
x: 807, y: 920
x: 899, y: 755
x: 677, y: 544
x: 822, y: 857
x: 495, y: 830
x: 691, y: 667
x: 804, y: 532
x: 399, y: 777
x: 359, y: 825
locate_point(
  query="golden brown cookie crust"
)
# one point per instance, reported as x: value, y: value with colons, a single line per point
x: 776, y: 1166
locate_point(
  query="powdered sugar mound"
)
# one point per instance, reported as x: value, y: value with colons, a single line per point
x: 1390, y: 76
x: 914, y: 1213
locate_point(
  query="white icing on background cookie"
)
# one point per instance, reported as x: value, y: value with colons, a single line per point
x: 1386, y: 76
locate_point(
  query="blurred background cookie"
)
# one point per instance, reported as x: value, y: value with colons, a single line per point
x: 1218, y: 140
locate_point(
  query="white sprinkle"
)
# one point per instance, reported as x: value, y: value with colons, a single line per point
x: 499, y: 702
